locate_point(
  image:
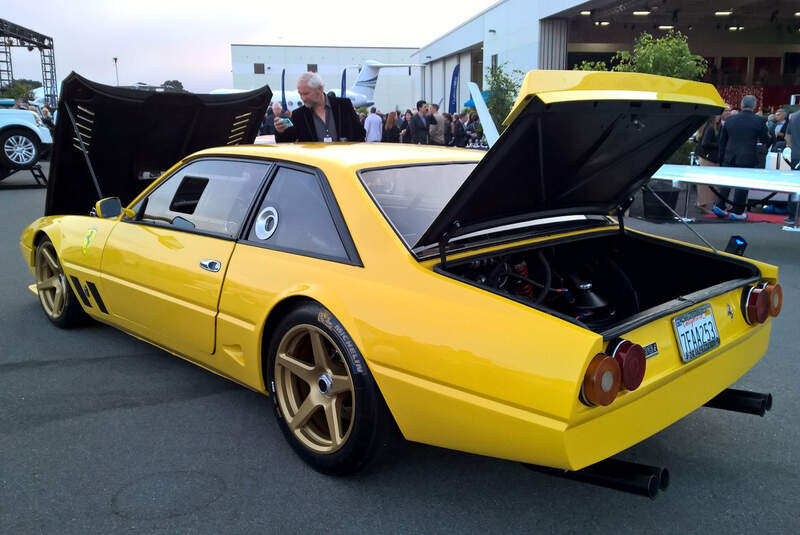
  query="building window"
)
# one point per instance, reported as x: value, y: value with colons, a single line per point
x: 494, y: 62
x: 312, y: 67
x: 258, y: 68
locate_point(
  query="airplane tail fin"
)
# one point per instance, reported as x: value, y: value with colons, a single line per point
x: 368, y: 77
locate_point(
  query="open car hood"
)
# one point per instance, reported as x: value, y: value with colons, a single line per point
x: 133, y: 135
x: 576, y: 142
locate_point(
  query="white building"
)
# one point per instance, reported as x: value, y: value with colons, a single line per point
x: 746, y: 42
x: 257, y: 65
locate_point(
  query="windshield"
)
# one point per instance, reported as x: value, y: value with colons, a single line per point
x: 411, y: 197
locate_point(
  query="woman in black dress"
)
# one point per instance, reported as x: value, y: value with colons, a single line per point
x: 391, y: 134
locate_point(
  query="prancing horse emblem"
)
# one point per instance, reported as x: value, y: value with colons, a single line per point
x: 730, y: 312
x: 87, y: 240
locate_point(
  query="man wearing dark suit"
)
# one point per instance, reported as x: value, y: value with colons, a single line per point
x: 737, y: 148
x: 321, y: 118
x: 420, y: 123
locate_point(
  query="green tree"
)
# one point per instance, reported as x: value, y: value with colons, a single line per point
x: 172, y: 85
x: 17, y: 90
x: 31, y: 84
x: 668, y: 55
x: 591, y: 66
x: 503, y: 88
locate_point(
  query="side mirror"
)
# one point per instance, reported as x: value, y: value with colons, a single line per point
x: 108, y: 207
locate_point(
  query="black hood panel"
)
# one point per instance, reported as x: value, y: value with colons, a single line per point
x: 133, y: 135
x: 571, y: 157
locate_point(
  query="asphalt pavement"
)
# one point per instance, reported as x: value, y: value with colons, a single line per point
x: 102, y: 433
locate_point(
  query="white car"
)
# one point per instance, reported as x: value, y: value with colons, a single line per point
x: 23, y: 139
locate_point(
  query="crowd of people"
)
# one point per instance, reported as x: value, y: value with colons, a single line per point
x: 44, y: 112
x: 735, y: 139
x: 326, y: 117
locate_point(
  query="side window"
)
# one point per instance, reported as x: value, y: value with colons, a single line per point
x: 294, y: 216
x: 208, y: 195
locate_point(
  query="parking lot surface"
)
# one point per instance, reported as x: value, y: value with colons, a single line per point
x: 103, y: 433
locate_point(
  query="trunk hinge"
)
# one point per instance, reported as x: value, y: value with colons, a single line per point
x: 443, y: 242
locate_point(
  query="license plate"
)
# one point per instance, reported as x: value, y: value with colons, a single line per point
x: 696, y: 332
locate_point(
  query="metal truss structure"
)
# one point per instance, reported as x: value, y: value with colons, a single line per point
x: 13, y: 35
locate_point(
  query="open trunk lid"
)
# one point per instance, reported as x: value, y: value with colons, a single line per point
x: 576, y: 142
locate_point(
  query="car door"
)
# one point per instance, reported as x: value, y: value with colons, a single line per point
x: 163, y: 268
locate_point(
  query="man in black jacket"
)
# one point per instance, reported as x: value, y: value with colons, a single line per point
x: 420, y: 123
x: 321, y: 118
x: 737, y: 148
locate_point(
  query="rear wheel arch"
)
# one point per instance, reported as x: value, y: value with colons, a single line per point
x: 271, y: 323
x: 372, y: 425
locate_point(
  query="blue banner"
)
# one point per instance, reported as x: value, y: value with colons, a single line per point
x: 343, y: 94
x: 453, y: 91
x: 283, y: 90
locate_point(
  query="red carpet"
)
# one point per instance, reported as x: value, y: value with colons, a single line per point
x: 755, y: 217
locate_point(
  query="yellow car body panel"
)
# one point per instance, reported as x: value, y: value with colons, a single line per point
x: 565, y: 86
x: 459, y: 367
x: 156, y: 287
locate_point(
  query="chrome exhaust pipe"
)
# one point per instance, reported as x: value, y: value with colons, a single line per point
x: 615, y: 474
x: 742, y: 401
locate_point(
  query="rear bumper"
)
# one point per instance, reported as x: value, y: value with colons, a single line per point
x: 440, y: 415
x: 661, y: 405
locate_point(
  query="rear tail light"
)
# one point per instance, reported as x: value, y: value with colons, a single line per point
x: 756, y: 305
x: 775, y: 294
x: 632, y: 363
x: 601, y: 382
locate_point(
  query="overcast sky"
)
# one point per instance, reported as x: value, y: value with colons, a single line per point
x: 158, y: 40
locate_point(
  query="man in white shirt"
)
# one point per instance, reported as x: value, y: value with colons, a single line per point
x: 374, y: 126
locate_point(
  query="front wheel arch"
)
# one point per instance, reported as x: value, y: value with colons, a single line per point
x: 22, y: 131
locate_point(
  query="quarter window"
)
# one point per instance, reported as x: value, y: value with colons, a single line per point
x: 295, y: 217
x: 206, y: 195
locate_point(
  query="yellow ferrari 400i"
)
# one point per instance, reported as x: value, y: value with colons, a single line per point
x: 484, y: 302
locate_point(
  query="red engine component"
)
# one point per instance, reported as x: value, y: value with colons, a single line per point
x: 522, y: 271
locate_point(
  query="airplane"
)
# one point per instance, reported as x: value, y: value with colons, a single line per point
x: 361, y: 93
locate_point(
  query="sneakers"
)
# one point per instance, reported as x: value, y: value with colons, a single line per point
x: 719, y: 212
x: 737, y: 217
x: 772, y: 209
x: 789, y: 221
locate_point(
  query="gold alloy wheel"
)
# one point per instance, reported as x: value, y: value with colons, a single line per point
x: 314, y: 389
x: 51, y: 283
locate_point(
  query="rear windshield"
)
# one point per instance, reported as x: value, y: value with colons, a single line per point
x: 411, y: 197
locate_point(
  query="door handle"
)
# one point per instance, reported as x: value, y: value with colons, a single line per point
x: 210, y: 265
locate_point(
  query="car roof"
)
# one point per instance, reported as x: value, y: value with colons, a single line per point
x: 352, y: 156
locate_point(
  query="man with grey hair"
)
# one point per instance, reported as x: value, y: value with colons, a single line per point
x: 737, y: 148
x: 322, y: 117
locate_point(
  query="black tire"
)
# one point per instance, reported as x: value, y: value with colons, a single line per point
x: 65, y: 312
x: 369, y: 423
x: 19, y: 149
